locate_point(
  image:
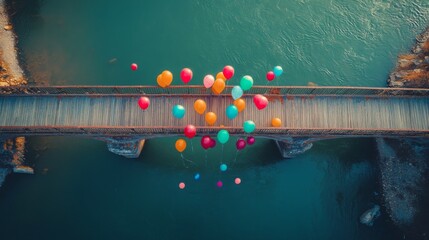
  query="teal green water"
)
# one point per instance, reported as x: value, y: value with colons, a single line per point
x: 81, y: 191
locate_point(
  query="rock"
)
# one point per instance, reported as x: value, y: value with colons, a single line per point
x: 8, y: 27
x: 23, y: 169
x: 369, y: 216
x: 405, y: 63
x: 3, y: 173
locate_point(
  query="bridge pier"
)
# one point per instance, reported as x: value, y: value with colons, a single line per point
x: 291, y: 147
x: 129, y: 147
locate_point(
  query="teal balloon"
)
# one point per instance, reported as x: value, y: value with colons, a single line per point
x: 278, y: 71
x: 223, y: 167
x: 223, y: 136
x: 231, y: 111
x: 236, y: 92
x: 178, y: 111
x: 246, y: 82
x: 249, y: 126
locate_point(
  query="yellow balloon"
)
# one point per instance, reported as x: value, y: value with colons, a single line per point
x: 218, y: 86
x: 221, y: 76
x: 240, y: 104
x: 180, y: 145
x: 276, y: 122
x: 211, y: 118
x: 200, y: 106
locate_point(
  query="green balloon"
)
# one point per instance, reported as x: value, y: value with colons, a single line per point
x: 223, y: 136
x: 249, y: 126
x: 246, y: 82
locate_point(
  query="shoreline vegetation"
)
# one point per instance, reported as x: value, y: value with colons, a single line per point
x: 11, y: 74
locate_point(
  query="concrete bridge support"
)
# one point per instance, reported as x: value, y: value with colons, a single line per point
x: 129, y: 147
x: 291, y: 147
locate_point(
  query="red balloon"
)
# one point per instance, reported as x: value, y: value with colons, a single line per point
x: 213, y: 143
x: 250, y: 140
x: 260, y: 101
x: 240, y: 144
x: 190, y: 131
x: 270, y: 76
x: 144, y: 103
x: 186, y: 75
x: 134, y: 66
x: 228, y: 72
x: 206, y: 142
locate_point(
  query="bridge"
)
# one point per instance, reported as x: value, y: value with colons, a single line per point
x: 308, y: 114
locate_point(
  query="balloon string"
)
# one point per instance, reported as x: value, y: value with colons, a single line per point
x: 185, y: 159
x: 221, y: 160
x: 235, y: 158
x: 192, y: 145
x: 206, y: 156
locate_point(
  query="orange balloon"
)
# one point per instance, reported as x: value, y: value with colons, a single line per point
x: 160, y: 81
x: 180, y: 145
x: 276, y: 122
x: 200, y: 106
x: 240, y: 104
x: 211, y: 118
x: 167, y: 77
x: 218, y: 86
x: 221, y: 76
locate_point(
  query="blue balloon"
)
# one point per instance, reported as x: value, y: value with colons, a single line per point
x: 249, y: 126
x: 231, y: 111
x: 278, y: 71
x: 223, y: 167
x: 236, y: 92
x: 197, y: 176
x: 178, y: 111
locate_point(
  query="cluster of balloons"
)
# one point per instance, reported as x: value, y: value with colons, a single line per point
x: 218, y: 84
x: 207, y: 142
x: 277, y: 71
x: 165, y: 79
x: 219, y: 183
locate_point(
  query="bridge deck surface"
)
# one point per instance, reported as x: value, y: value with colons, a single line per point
x: 328, y: 112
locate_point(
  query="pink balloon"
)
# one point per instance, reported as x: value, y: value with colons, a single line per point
x: 270, y: 76
x: 208, y: 81
x: 240, y: 144
x: 250, y: 140
x: 219, y: 184
x: 206, y: 142
x: 237, y: 181
x: 182, y: 185
x: 260, y: 101
x: 190, y: 131
x: 186, y: 75
x: 228, y: 72
x: 144, y: 103
x: 134, y: 66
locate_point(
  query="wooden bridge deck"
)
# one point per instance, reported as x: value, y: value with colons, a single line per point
x: 369, y: 115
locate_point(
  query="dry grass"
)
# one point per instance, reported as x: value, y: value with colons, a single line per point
x: 416, y: 75
x: 408, y: 56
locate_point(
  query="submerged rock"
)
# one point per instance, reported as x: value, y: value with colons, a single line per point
x: 369, y: 216
x: 3, y: 173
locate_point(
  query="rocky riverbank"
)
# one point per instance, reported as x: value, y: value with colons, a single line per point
x: 412, y: 70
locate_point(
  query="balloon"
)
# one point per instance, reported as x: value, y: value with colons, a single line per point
x: 165, y: 79
x: 260, y: 101
x: 190, y: 131
x: 236, y: 92
x: 182, y: 185
x: 186, y: 75
x: 223, y: 167
x: 237, y: 181
x: 206, y: 142
x: 178, y: 111
x: 240, y: 144
x: 278, y: 71
x: 270, y: 76
x: 228, y: 72
x: 219, y: 184
x: 197, y: 176
x: 249, y: 126
x: 144, y: 103
x: 250, y: 140
x: 208, y: 81
x: 231, y: 111
x: 220, y: 75
x: 218, y: 86
x: 223, y: 136
x: 276, y: 122
x: 240, y: 104
x: 180, y: 145
x: 200, y: 106
x: 246, y: 82
x: 212, y: 143
x: 134, y: 66
x: 211, y: 118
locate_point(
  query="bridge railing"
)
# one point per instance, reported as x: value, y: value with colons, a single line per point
x: 199, y: 90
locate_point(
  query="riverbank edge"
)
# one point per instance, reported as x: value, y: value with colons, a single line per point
x: 11, y: 74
